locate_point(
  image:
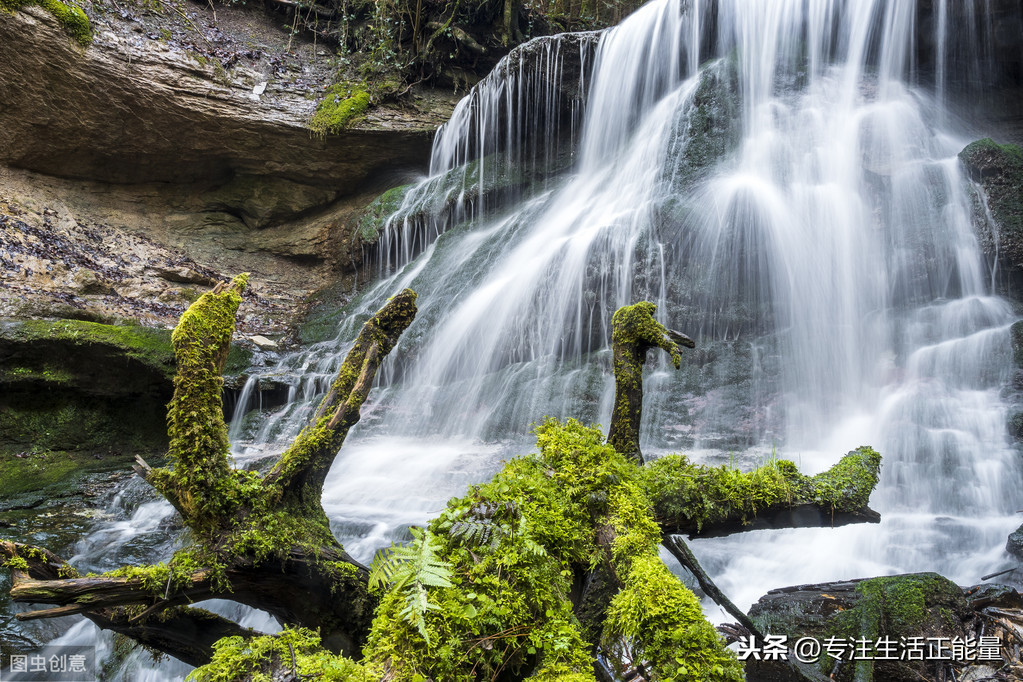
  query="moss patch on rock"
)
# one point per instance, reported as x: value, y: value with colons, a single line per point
x: 899, y: 609
x: 340, y: 107
x: 148, y: 346
x: 83, y: 388
x: 71, y: 17
x: 998, y: 169
x: 371, y: 224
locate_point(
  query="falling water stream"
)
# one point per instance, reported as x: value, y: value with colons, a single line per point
x: 767, y: 172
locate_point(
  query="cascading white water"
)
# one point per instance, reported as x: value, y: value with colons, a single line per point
x: 823, y: 257
x: 768, y: 174
x: 794, y: 204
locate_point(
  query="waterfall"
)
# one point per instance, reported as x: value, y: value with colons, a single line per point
x: 777, y: 176
x: 770, y: 175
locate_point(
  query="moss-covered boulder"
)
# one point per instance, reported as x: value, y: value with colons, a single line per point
x: 901, y: 609
x: 710, y: 127
x: 998, y: 170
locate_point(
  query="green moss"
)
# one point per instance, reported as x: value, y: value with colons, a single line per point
x: 846, y: 487
x: 202, y: 484
x: 371, y: 223
x: 656, y: 614
x: 634, y: 331
x: 253, y: 659
x: 712, y: 127
x: 16, y: 562
x: 692, y: 495
x: 340, y: 107
x: 901, y: 606
x: 71, y: 17
x: 25, y: 472
x: 511, y: 551
x: 150, y: 346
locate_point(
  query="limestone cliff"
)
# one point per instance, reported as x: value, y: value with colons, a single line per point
x: 175, y: 150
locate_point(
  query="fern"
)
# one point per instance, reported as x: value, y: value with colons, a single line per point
x: 531, y: 546
x: 476, y: 533
x: 409, y: 570
x: 484, y: 523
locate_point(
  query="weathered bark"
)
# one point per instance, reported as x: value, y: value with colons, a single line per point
x: 634, y: 332
x: 187, y: 634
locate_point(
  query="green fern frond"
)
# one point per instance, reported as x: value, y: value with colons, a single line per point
x: 409, y: 570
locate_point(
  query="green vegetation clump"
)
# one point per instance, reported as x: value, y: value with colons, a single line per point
x: 340, y: 107
x: 202, y: 485
x: 708, y: 495
x: 26, y: 472
x: 254, y: 659
x: 372, y: 221
x: 846, y: 486
x: 71, y: 17
x: 691, y: 496
x: 485, y: 587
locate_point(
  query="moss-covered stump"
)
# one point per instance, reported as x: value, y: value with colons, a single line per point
x: 998, y: 169
x: 903, y: 609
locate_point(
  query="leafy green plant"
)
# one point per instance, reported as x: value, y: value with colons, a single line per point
x: 409, y: 570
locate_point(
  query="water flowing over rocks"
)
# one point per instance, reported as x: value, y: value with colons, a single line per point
x: 807, y: 221
x: 998, y: 215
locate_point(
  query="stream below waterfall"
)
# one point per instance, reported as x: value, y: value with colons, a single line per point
x: 773, y: 175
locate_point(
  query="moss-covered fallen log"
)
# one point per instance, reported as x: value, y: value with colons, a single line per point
x: 703, y: 501
x: 260, y: 541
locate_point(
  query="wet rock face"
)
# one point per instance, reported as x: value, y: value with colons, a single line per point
x: 998, y: 170
x: 920, y: 605
x: 56, y: 262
